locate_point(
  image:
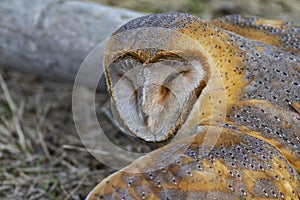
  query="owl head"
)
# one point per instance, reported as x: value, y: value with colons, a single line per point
x: 155, y: 74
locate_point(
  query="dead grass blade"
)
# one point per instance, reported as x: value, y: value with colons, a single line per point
x: 14, y: 112
x: 39, y: 131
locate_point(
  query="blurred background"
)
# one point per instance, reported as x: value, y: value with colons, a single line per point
x: 279, y: 9
x: 41, y: 156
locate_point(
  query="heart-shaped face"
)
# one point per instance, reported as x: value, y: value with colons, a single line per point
x: 155, y: 75
x: 153, y: 90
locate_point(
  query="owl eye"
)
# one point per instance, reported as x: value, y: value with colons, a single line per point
x: 121, y: 66
x: 171, y: 77
x: 174, y: 75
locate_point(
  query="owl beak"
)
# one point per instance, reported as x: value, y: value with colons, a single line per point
x: 149, y: 109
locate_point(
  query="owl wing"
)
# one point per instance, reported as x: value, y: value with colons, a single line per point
x: 216, y: 163
x: 282, y: 34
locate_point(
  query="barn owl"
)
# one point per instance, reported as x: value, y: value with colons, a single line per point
x: 227, y: 92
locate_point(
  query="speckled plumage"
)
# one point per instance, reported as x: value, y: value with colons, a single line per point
x: 243, y: 129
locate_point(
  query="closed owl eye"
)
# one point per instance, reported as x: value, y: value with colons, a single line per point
x: 120, y: 67
x: 174, y: 75
x: 177, y: 63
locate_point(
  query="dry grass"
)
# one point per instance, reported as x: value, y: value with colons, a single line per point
x: 41, y: 156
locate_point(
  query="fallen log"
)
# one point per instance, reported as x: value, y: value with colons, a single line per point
x: 51, y: 38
